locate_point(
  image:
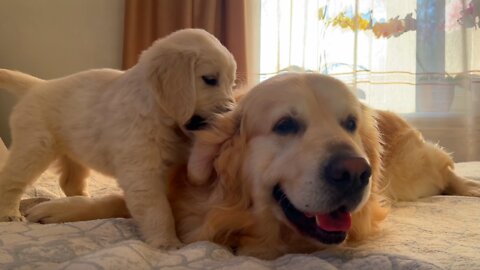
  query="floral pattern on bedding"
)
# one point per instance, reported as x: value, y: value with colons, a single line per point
x: 115, y: 244
x: 440, y: 232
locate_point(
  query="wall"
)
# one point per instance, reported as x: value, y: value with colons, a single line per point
x: 53, y: 38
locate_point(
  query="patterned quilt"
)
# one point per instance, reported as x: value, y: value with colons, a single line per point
x: 441, y: 232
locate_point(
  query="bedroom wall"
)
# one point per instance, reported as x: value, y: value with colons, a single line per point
x: 53, y: 38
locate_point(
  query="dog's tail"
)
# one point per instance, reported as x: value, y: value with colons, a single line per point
x: 16, y: 82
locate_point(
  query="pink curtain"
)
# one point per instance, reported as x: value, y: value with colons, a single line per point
x: 148, y: 20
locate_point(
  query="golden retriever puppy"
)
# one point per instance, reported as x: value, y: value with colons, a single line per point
x: 298, y: 165
x: 131, y: 125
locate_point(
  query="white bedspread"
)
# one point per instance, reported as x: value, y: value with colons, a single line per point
x: 441, y: 232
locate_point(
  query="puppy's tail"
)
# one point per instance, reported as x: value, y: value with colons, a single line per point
x: 16, y: 82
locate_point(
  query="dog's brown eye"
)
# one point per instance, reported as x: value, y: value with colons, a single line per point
x: 350, y: 124
x: 286, y: 126
x: 210, y: 80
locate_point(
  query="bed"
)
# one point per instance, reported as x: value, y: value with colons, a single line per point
x: 441, y: 232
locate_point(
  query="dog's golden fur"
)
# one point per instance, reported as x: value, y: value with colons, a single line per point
x: 234, y: 165
x: 133, y: 125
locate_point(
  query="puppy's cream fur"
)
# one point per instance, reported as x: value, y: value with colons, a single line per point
x: 235, y: 164
x: 129, y: 125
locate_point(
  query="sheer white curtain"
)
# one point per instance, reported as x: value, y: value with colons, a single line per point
x: 420, y: 58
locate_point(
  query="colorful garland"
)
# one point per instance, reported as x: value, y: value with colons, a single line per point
x: 456, y: 15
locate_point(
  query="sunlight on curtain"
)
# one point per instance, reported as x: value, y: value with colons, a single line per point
x: 419, y: 58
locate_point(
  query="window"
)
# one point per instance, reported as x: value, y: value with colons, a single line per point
x: 397, y: 69
x: 415, y: 57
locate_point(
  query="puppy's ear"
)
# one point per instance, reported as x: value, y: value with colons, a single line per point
x: 208, y: 146
x: 171, y: 74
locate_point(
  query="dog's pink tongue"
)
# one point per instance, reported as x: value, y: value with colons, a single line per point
x: 337, y: 221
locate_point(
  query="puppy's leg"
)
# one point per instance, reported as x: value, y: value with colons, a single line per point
x: 27, y: 160
x: 146, y: 199
x: 78, y: 208
x: 73, y: 179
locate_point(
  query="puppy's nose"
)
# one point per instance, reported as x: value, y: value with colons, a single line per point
x: 348, y: 173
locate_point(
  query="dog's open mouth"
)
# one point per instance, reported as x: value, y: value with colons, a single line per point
x: 327, y: 228
x: 196, y: 123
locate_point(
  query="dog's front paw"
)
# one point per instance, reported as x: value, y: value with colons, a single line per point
x: 26, y: 204
x: 59, y: 210
x: 168, y: 244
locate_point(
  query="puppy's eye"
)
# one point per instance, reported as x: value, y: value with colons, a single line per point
x: 350, y: 124
x: 210, y: 80
x: 286, y: 126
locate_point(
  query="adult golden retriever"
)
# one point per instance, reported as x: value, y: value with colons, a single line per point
x: 133, y: 125
x: 299, y: 164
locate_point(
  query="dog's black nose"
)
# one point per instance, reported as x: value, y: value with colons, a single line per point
x: 348, y: 173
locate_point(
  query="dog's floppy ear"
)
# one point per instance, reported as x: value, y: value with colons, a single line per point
x: 171, y: 74
x: 367, y: 220
x: 372, y: 143
x: 208, y: 144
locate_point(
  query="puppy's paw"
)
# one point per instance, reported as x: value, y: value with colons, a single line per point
x: 11, y: 218
x: 10, y: 215
x: 171, y: 243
